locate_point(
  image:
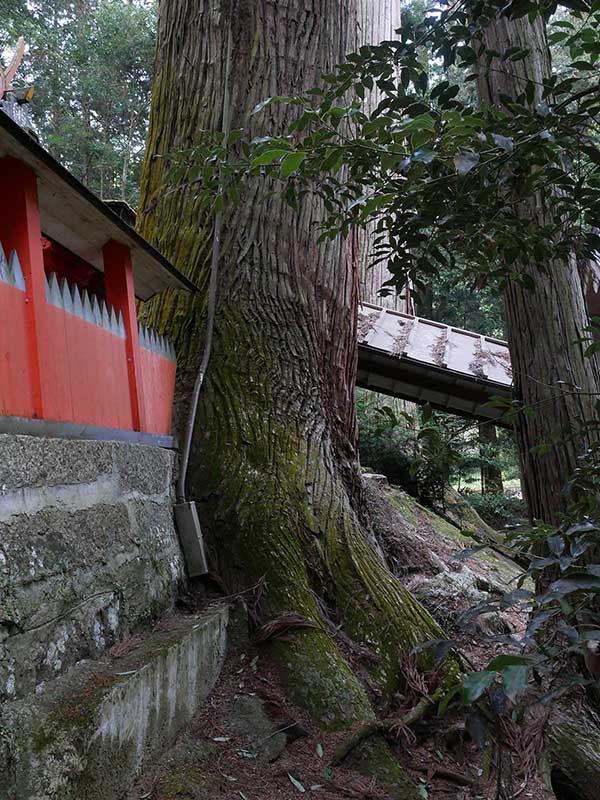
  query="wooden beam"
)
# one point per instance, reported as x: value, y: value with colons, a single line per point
x: 120, y: 293
x: 20, y: 231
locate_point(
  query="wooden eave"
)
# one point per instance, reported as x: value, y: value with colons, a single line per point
x: 424, y: 361
x: 76, y: 218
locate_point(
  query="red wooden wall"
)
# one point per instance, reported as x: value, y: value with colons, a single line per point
x: 84, y: 352
x: 90, y: 374
x: 65, y: 354
x: 158, y: 379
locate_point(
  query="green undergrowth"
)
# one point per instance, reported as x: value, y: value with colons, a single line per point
x: 470, y: 534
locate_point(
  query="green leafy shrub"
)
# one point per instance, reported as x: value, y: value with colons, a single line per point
x: 558, y: 593
x: 498, y: 509
x: 420, y: 451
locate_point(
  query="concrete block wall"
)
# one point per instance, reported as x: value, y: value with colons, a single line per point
x: 91, y: 731
x: 88, y: 551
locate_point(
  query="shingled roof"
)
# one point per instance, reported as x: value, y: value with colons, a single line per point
x: 427, y: 361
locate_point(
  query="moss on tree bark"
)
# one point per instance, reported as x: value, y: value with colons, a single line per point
x: 573, y: 741
x: 546, y: 327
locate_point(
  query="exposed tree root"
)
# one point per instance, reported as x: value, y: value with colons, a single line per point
x: 573, y: 741
x: 281, y: 626
x: 382, y: 727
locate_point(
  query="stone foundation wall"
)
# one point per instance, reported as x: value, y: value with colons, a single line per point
x: 88, y: 551
x: 88, y: 734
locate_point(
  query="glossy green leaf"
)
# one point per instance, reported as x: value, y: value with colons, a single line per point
x: 291, y: 163
x: 270, y: 156
x: 515, y: 681
x: 466, y: 161
x: 475, y: 685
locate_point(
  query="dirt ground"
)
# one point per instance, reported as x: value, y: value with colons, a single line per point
x: 213, y: 760
x: 249, y: 743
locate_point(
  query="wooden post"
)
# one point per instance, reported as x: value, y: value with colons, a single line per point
x: 118, y: 275
x: 20, y: 231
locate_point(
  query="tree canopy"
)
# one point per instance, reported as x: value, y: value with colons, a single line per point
x: 444, y: 177
x: 90, y: 62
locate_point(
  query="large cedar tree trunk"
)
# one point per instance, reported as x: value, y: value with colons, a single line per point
x: 274, y: 464
x: 545, y: 323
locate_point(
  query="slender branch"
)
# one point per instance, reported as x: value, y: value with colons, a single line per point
x: 447, y: 774
x: 577, y: 96
x: 382, y: 726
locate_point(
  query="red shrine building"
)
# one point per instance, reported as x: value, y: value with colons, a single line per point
x: 73, y: 359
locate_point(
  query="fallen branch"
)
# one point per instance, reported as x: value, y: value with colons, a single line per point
x: 382, y: 726
x: 447, y: 774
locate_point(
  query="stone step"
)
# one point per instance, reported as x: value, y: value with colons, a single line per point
x: 87, y: 734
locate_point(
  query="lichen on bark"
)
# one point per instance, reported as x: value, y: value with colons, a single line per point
x: 573, y: 742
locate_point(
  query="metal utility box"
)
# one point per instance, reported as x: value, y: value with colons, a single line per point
x: 190, y: 538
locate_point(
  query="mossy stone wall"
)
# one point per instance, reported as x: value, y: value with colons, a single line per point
x: 88, y: 551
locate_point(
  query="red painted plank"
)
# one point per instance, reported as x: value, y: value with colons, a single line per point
x: 158, y: 375
x: 16, y: 390
x: 124, y: 418
x: 58, y: 402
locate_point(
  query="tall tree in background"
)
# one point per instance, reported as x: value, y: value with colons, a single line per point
x: 374, y: 273
x: 547, y: 316
x: 452, y: 300
x: 90, y: 63
x: 491, y: 473
x: 275, y: 469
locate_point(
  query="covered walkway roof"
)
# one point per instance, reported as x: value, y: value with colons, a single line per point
x: 428, y: 362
